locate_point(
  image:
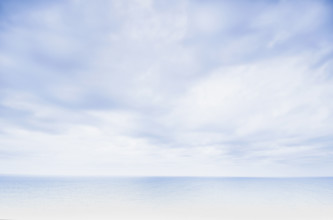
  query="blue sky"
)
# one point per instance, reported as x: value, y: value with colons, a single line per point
x: 144, y: 87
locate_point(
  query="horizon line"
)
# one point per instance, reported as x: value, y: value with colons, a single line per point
x: 157, y: 176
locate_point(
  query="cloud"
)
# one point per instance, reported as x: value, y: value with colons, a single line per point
x: 155, y: 88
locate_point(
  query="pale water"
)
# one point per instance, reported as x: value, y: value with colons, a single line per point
x: 165, y: 198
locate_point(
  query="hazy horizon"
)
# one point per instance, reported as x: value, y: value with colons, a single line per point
x: 166, y: 198
x: 156, y: 176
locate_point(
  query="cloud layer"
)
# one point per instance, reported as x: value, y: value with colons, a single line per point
x: 166, y: 88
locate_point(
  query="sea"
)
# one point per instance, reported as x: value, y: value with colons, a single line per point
x: 165, y: 198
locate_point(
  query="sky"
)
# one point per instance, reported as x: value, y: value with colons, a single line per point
x: 166, y: 88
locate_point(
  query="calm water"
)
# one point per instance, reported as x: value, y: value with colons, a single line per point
x: 165, y: 198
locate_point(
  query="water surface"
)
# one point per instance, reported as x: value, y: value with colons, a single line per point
x: 165, y: 198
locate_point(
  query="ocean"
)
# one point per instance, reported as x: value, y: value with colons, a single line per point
x: 154, y: 198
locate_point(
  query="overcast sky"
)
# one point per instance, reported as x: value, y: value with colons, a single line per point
x: 155, y: 87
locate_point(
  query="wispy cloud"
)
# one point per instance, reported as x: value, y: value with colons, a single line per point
x: 156, y: 88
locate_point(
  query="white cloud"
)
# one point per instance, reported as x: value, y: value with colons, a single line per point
x: 184, y: 88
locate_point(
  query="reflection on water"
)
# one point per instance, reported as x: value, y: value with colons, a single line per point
x: 165, y: 198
